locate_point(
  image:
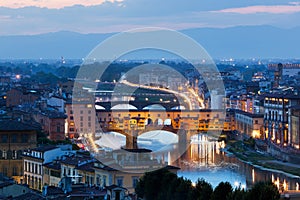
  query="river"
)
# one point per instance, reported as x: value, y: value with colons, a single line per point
x: 203, y: 159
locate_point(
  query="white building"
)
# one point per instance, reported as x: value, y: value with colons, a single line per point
x: 34, y: 159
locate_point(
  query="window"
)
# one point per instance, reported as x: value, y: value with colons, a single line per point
x: 207, y: 115
x: 89, y: 112
x: 58, y: 128
x: 14, y: 154
x: 4, y: 138
x: 120, y: 181
x: 14, y: 171
x: 4, y: 170
x: 14, y: 138
x: 81, y: 118
x: 71, y: 118
x: 25, y: 166
x: 71, y: 129
x: 4, y: 154
x: 89, y: 118
x: 135, y: 180
x: 81, y: 112
x: 97, y: 180
x: 104, y: 180
x: 71, y: 112
x: 24, y: 138
x: 256, y: 121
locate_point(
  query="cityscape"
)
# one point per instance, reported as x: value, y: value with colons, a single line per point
x: 133, y: 104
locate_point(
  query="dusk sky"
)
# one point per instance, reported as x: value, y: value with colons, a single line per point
x: 100, y: 16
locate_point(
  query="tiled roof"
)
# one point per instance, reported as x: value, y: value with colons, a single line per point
x: 12, y: 125
x: 75, y: 160
x: 89, y: 167
x: 45, y: 148
x: 53, y: 165
x: 29, y: 196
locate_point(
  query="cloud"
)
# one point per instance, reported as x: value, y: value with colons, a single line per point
x: 121, y: 15
x: 53, y: 4
x: 294, y: 7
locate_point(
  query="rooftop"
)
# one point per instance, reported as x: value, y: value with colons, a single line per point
x: 12, y: 125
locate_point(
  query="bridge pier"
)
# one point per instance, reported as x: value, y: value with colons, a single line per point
x: 184, y: 136
x: 131, y: 139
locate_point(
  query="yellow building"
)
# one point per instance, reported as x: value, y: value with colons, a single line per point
x: 15, y: 137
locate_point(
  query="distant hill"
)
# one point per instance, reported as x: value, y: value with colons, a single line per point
x: 236, y: 42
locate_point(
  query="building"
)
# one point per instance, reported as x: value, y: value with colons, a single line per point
x: 34, y: 159
x: 52, y: 122
x: 52, y: 173
x: 277, y: 117
x: 19, y: 96
x: 294, y: 130
x: 81, y: 118
x: 72, y: 167
x: 203, y: 120
x: 15, y: 137
x: 250, y: 125
x: 125, y: 170
x: 9, y: 189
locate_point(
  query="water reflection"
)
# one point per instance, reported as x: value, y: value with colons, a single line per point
x: 205, y: 159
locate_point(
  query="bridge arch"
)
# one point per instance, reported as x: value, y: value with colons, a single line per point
x: 154, y: 107
x: 162, y: 136
x: 123, y: 107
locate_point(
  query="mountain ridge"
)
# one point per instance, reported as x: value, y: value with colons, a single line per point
x: 262, y: 41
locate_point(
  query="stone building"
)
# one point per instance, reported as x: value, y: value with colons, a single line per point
x: 15, y: 137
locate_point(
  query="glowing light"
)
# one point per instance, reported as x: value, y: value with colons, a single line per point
x: 18, y: 76
x: 297, y: 186
x: 236, y: 184
x: 284, y: 185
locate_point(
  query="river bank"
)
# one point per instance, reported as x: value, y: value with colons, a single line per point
x: 246, y: 153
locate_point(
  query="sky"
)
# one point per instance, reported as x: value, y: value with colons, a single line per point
x: 29, y: 17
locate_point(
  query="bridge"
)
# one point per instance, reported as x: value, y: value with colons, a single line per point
x: 142, y: 96
x: 184, y: 136
x: 185, y: 123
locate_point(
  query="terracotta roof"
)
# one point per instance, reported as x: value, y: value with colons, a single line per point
x: 12, y: 125
x: 45, y: 148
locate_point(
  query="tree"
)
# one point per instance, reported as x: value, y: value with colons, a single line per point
x: 238, y: 194
x: 262, y: 191
x: 202, y: 190
x: 222, y: 191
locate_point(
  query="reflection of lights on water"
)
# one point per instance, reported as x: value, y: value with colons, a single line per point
x: 272, y: 178
x: 277, y: 183
x: 284, y: 185
x: 297, y: 186
x: 253, y: 175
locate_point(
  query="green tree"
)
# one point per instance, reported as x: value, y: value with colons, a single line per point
x: 238, y: 194
x: 264, y: 190
x: 202, y: 190
x: 222, y: 191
